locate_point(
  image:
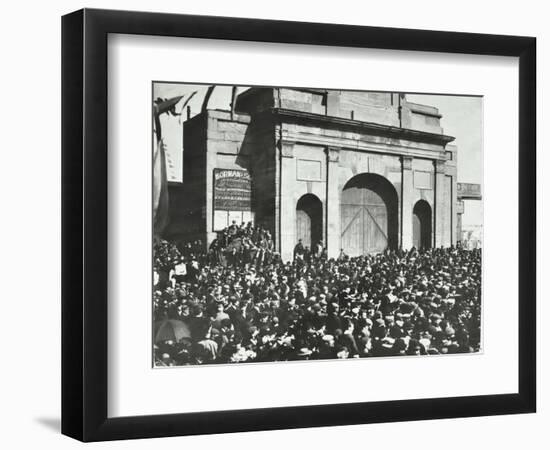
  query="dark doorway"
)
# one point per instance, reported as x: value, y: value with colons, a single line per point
x: 422, y: 225
x: 309, y: 220
x: 368, y: 215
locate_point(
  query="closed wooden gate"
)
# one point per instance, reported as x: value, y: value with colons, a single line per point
x: 303, y: 228
x: 417, y: 231
x: 364, y: 218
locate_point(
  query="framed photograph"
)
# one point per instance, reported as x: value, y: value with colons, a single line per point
x: 273, y: 224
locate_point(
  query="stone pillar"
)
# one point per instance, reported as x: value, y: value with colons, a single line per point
x: 453, y: 210
x: 332, y: 208
x: 287, y: 204
x: 207, y: 211
x: 439, y: 203
x: 459, y: 212
x: 407, y: 191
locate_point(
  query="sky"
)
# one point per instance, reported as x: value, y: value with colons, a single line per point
x: 462, y: 118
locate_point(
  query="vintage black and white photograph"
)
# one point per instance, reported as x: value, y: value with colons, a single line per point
x: 297, y: 223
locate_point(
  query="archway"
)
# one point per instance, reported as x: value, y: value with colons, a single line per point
x: 368, y: 215
x: 422, y: 225
x: 309, y: 220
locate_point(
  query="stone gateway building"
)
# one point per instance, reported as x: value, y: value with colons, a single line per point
x: 360, y: 171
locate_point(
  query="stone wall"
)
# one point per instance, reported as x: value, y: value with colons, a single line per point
x: 187, y: 213
x: 420, y: 117
x: 290, y: 155
x: 303, y: 171
x: 227, y: 148
x: 263, y: 169
x: 387, y: 108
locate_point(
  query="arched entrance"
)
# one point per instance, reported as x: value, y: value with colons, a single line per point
x: 368, y: 215
x: 309, y: 220
x: 422, y: 225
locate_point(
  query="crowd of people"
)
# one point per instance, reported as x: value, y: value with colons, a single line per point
x: 239, y: 302
x: 246, y: 243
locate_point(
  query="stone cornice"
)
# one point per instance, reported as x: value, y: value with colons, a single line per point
x: 364, y: 127
x: 358, y: 146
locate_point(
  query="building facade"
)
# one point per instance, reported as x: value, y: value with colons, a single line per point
x: 360, y: 171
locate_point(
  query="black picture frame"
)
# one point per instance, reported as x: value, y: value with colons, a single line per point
x: 84, y: 224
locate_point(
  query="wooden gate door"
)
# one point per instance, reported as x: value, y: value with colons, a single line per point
x: 417, y: 232
x: 364, y: 221
x: 303, y: 227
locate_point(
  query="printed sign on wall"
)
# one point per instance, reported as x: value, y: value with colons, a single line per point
x: 232, y: 198
x: 232, y: 190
